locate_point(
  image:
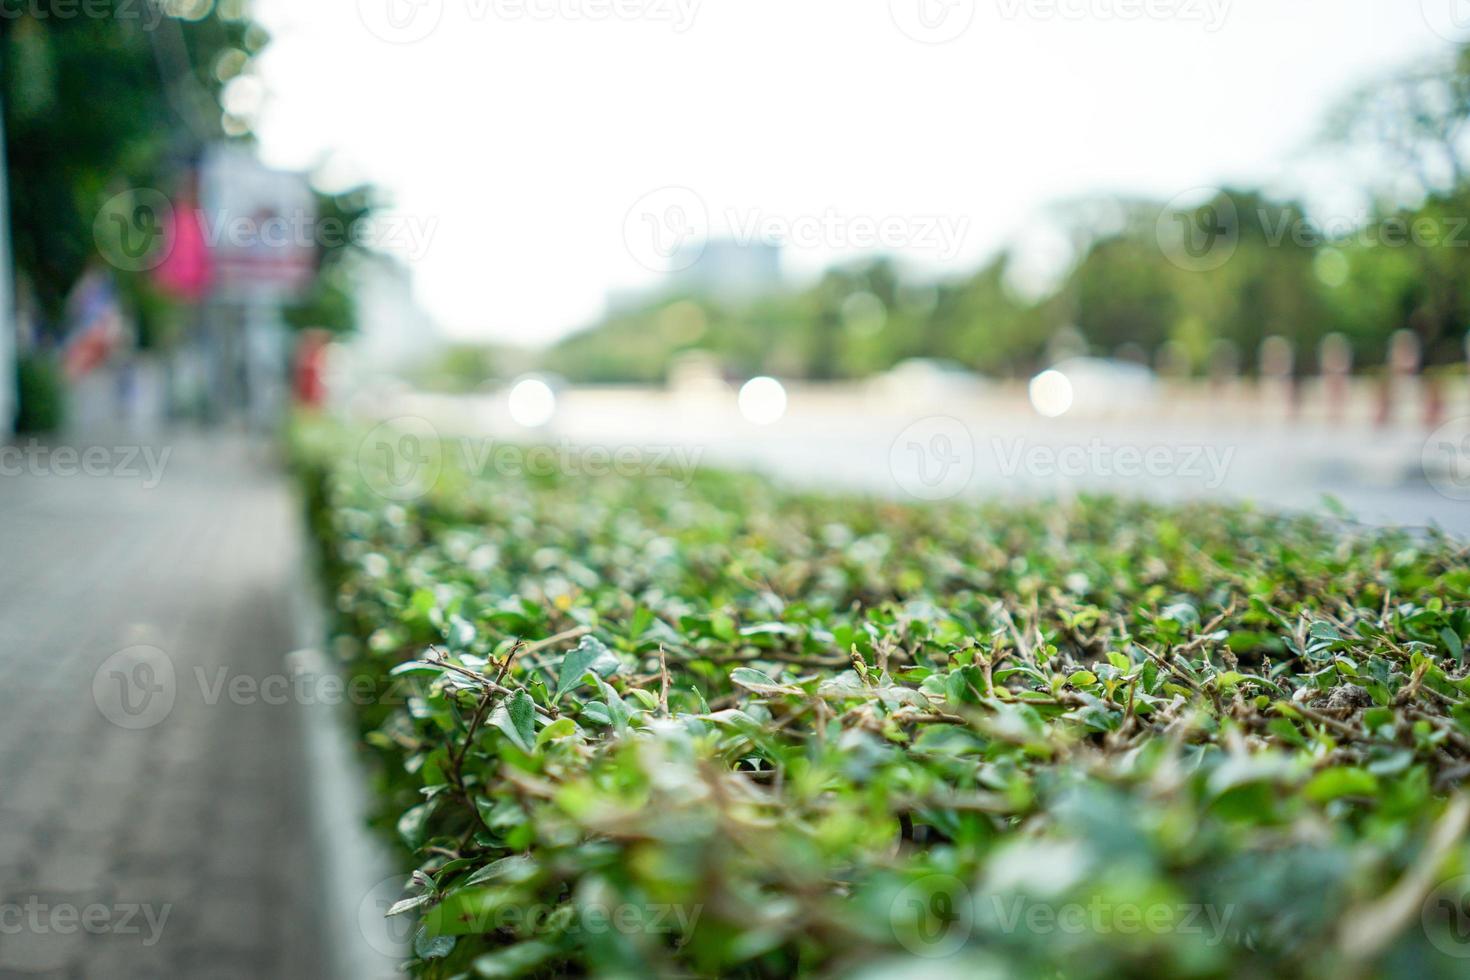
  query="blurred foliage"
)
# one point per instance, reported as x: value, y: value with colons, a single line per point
x: 687, y: 724
x: 1401, y: 264
x: 466, y: 367
x: 124, y: 94
x: 41, y: 405
x: 330, y: 302
x: 117, y: 96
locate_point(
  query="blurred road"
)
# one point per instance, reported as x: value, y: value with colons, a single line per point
x: 932, y: 447
x: 152, y: 809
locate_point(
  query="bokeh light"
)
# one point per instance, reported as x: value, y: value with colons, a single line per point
x: 762, y: 400
x: 532, y: 403
x: 1051, y: 393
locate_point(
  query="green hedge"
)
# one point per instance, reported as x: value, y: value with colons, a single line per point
x: 632, y: 728
x: 40, y: 395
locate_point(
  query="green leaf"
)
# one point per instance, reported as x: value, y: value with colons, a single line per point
x: 1321, y: 630
x: 1453, y: 644
x: 514, y: 961
x: 590, y: 655
x: 1329, y: 784
x: 471, y: 911
x: 722, y: 626
x: 617, y: 709
x: 432, y: 947
x: 1228, y: 679
x: 760, y: 682
x: 415, y: 667
x: 771, y: 629
x: 561, y: 728
x: 411, y: 825
x: 514, y: 869
x: 1283, y: 728
x: 517, y: 719
x: 523, y: 716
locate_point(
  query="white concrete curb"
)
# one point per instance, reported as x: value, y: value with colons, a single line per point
x: 357, y: 881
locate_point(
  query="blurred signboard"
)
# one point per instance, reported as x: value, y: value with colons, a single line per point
x: 260, y: 225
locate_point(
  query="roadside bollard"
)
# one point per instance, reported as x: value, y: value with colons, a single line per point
x: 1335, y: 362
x: 1224, y: 370
x: 1433, y: 402
x: 1278, y: 382
x: 1466, y: 385
x: 1398, y: 379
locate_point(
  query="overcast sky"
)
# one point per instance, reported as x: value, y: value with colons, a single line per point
x: 522, y: 141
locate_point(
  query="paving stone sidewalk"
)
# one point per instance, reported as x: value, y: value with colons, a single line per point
x: 153, y: 823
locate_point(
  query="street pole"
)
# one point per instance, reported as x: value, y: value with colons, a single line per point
x: 9, y: 400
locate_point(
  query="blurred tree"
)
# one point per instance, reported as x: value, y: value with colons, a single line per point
x: 100, y: 102
x: 1266, y: 269
x: 330, y: 302
x: 981, y: 323
x: 1416, y: 120
x: 1412, y: 260
x: 1123, y: 291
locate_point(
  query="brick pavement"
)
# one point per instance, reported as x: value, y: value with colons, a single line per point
x: 138, y: 837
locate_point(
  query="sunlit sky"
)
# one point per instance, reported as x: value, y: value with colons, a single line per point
x: 515, y: 136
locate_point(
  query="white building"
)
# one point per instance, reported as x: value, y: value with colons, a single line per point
x: 395, y: 337
x: 730, y: 270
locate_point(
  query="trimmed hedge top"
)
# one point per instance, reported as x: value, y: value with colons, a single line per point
x: 633, y: 728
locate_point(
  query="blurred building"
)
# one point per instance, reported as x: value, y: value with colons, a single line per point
x: 730, y: 270
x: 725, y: 270
x: 395, y: 337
